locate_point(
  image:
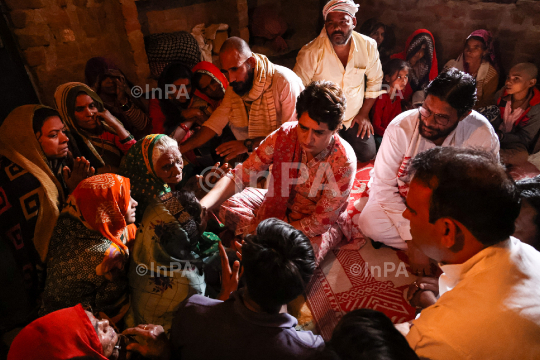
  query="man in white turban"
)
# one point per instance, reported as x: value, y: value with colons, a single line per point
x: 343, y: 56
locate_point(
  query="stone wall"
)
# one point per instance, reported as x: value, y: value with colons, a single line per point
x: 304, y: 18
x: 515, y: 24
x: 57, y: 37
x: 163, y: 17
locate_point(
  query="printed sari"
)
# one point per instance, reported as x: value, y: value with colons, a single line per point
x: 31, y: 196
x: 90, y: 247
x: 170, y: 248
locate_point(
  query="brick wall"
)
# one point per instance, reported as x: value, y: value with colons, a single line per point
x: 57, y: 37
x: 515, y: 24
x: 164, y: 17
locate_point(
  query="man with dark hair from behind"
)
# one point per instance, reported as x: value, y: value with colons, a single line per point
x: 253, y: 323
x: 446, y: 118
x: 462, y: 206
x: 366, y: 334
x: 528, y: 221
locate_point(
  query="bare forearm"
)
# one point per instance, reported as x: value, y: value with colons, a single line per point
x: 179, y: 133
x: 197, y: 140
x: 366, y: 107
x: 120, y: 130
x: 224, y: 189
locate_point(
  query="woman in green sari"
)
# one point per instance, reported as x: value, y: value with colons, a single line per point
x: 154, y: 166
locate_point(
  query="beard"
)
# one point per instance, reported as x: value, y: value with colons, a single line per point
x: 434, y: 134
x: 345, y: 37
x: 243, y: 87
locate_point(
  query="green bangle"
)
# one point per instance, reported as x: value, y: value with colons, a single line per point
x: 128, y: 139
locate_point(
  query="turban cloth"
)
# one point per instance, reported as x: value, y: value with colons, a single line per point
x: 347, y: 6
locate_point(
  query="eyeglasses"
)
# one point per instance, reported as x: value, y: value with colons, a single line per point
x: 440, y: 119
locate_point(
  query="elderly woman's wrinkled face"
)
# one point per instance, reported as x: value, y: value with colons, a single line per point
x: 210, y: 87
x: 53, y: 139
x: 85, y: 112
x: 378, y: 36
x: 106, y: 334
x: 474, y: 50
x: 169, y: 166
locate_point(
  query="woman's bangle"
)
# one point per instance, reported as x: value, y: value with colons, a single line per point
x: 184, y: 127
x: 129, y: 138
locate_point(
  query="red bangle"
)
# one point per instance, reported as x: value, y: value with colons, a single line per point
x: 184, y: 127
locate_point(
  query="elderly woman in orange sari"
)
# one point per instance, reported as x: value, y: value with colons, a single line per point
x: 89, y: 248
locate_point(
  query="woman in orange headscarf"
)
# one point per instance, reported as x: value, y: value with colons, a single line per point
x: 90, y: 246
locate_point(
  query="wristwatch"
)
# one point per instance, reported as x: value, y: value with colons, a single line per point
x: 249, y: 144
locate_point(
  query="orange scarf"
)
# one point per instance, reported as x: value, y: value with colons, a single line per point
x: 101, y: 203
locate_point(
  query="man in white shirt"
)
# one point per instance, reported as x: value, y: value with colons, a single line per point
x: 446, y: 118
x: 343, y: 56
x: 260, y: 98
x: 462, y: 206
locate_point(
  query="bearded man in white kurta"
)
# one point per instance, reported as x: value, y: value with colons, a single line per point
x: 350, y: 60
x: 445, y: 119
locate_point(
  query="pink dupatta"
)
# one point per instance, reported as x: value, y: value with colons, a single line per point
x: 287, y: 150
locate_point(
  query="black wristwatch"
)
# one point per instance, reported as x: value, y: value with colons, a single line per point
x: 249, y: 144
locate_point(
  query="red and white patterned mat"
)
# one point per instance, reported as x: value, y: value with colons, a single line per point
x: 351, y: 277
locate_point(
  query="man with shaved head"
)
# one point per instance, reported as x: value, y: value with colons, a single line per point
x: 519, y: 125
x: 350, y: 60
x: 260, y: 98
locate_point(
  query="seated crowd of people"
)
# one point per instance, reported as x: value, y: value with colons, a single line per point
x: 183, y: 226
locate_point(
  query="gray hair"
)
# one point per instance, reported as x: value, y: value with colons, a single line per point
x: 161, y: 146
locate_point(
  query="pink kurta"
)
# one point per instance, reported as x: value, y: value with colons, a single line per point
x: 318, y: 200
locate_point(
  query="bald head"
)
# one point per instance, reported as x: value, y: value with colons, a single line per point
x: 528, y: 70
x: 238, y: 64
x: 237, y: 44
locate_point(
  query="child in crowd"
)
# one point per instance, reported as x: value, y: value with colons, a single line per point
x: 366, y: 334
x: 528, y: 221
x: 519, y: 105
x: 389, y: 105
